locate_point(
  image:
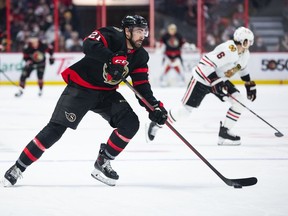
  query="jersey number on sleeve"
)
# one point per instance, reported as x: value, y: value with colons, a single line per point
x: 220, y: 55
x: 95, y: 36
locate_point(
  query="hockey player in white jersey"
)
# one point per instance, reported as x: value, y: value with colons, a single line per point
x: 212, y: 75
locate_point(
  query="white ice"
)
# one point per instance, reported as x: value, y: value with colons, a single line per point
x: 160, y: 178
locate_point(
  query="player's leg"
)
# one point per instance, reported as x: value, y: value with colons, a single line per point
x: 167, y: 67
x: 50, y: 134
x: 192, y: 98
x: 226, y: 136
x: 121, y: 117
x: 22, y: 82
x: 40, y: 75
x: 179, y: 70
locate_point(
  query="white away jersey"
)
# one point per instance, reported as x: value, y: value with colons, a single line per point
x: 224, y: 60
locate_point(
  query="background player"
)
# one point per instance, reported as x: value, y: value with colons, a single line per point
x: 110, y: 53
x: 34, y: 56
x: 212, y: 75
x: 173, y: 42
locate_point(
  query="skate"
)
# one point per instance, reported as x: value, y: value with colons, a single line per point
x: 227, y: 138
x: 151, y: 130
x: 40, y: 93
x: 11, y: 176
x: 103, y: 171
x: 19, y: 93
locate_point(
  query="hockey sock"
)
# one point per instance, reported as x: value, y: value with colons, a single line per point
x: 231, y: 118
x: 44, y: 140
x: 177, y: 69
x: 31, y: 153
x: 116, y: 144
x: 22, y: 84
x: 234, y: 112
x: 40, y: 84
x: 167, y: 69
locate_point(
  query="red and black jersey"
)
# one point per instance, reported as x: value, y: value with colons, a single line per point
x: 98, y: 48
x: 173, y: 44
x: 37, y: 54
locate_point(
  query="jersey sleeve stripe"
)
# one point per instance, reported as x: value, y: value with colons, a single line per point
x: 103, y: 40
x: 208, y: 61
x: 140, y: 70
x: 101, y: 37
x: 140, y: 82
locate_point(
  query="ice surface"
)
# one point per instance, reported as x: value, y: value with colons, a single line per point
x: 161, y: 178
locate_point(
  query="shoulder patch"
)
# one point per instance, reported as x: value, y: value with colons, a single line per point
x: 232, y: 48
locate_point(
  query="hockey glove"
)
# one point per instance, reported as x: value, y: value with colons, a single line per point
x: 251, y: 90
x: 116, y: 65
x: 159, y: 115
x: 218, y: 87
x: 51, y: 60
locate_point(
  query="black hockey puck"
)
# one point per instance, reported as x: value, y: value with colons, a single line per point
x: 237, y: 186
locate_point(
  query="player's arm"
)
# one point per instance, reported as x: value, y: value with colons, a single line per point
x: 250, y: 87
x: 26, y: 57
x: 159, y: 114
x: 50, y: 50
x: 96, y: 47
x: 141, y: 83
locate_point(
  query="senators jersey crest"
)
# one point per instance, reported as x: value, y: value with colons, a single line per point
x: 114, y: 82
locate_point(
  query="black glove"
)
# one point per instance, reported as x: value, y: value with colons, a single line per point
x: 251, y: 90
x: 115, y: 66
x: 159, y: 115
x: 218, y: 87
x: 51, y: 60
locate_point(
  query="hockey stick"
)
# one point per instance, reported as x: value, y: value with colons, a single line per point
x: 8, y: 78
x: 236, y: 183
x: 277, y: 134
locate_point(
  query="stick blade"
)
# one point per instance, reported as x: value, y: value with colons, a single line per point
x: 279, y: 134
x: 243, y: 182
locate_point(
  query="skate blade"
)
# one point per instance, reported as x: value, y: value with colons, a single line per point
x: 226, y: 142
x: 99, y: 176
x: 5, y: 183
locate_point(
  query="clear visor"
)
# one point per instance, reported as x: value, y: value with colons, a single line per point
x: 141, y: 31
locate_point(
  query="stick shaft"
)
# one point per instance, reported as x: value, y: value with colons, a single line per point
x: 253, y: 112
x: 175, y: 131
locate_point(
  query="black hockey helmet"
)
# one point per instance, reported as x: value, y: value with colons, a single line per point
x: 131, y: 21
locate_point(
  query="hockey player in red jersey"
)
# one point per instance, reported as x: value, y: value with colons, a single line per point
x: 34, y: 56
x: 212, y: 75
x: 92, y: 83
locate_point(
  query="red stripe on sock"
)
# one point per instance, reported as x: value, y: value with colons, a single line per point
x: 110, y: 143
x: 29, y: 155
x: 233, y: 115
x: 125, y: 139
x: 39, y: 144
